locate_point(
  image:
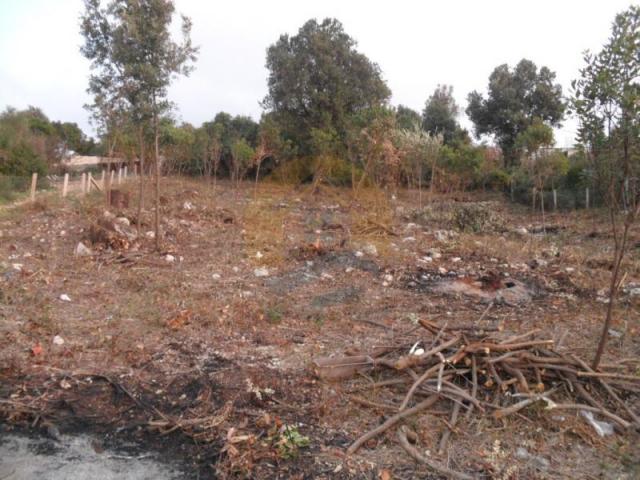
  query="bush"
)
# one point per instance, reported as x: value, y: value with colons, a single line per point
x: 21, y: 160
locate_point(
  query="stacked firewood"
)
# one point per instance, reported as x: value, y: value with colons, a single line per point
x: 483, y: 373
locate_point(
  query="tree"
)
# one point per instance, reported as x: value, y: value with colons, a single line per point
x: 241, y: 155
x: 440, y: 115
x: 134, y: 59
x: 418, y: 149
x: 515, y: 99
x: 407, y: 118
x: 607, y: 103
x: 317, y: 80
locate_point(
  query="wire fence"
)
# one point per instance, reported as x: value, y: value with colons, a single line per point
x: 15, y: 188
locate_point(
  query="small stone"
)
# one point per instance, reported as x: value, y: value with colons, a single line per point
x: 259, y: 255
x: 261, y: 272
x: 82, y: 250
x: 17, y: 266
x: 388, y: 278
x: 442, y: 271
x: 123, y: 221
x: 409, y: 239
x: 150, y: 234
x: 370, y: 249
x: 569, y: 269
x: 58, y: 340
x: 348, y: 270
x: 187, y: 206
x: 170, y: 258
x: 65, y: 298
x: 456, y: 259
x: 359, y: 254
x: 216, y: 276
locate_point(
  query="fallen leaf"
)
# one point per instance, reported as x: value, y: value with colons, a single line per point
x: 36, y: 350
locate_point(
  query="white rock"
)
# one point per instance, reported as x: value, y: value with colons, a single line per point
x: 65, y: 298
x: 123, y: 221
x: 58, y: 340
x: 216, y: 276
x: 17, y: 266
x: 235, y: 269
x: 326, y: 276
x: 409, y: 239
x: 358, y: 254
x: 150, y: 234
x: 259, y: 255
x: 456, y: 259
x: 261, y: 272
x: 569, y: 269
x: 522, y: 231
x: 370, y: 249
x: 425, y: 259
x: 442, y: 271
x: 187, y: 206
x: 388, y: 278
x: 435, y: 254
x: 348, y: 270
x: 82, y: 250
x: 170, y: 258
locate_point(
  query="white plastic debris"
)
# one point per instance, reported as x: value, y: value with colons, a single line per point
x: 65, y: 298
x: 416, y: 350
x: 261, y: 272
x: 187, y: 206
x: 58, y: 340
x: 602, y: 428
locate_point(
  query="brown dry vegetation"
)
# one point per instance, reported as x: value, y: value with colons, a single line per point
x: 206, y: 361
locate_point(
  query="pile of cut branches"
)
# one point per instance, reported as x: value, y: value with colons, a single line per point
x: 483, y: 373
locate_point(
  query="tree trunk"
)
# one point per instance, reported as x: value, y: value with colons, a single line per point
x: 141, y: 179
x: 157, y: 156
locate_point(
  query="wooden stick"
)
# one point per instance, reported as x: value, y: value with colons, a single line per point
x: 65, y: 185
x: 390, y: 422
x: 417, y: 456
x: 609, y: 375
x: 34, y: 183
x: 447, y: 433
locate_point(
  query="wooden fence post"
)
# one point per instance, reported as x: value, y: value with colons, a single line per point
x: 124, y: 172
x: 83, y: 183
x: 119, y: 175
x: 34, y: 183
x: 555, y: 199
x: 102, y: 180
x: 587, y: 197
x: 89, y: 178
x: 65, y: 185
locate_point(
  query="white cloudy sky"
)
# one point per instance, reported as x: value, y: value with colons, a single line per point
x: 418, y: 44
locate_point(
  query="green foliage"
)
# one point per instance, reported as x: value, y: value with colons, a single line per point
x: 439, y: 116
x: 515, y: 99
x: 21, y: 160
x: 317, y: 80
x: 407, y: 118
x: 607, y: 103
x: 461, y: 164
x: 289, y: 441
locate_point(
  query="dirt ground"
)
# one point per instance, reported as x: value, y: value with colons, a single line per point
x: 203, y: 351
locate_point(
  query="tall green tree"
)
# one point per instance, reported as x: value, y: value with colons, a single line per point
x: 407, y: 118
x: 317, y: 80
x: 515, y: 99
x: 440, y: 115
x: 607, y: 103
x: 134, y: 58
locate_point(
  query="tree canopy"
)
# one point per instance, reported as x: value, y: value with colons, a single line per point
x: 317, y: 80
x: 515, y: 99
x: 440, y: 115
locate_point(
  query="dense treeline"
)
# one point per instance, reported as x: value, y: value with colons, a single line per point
x: 327, y: 118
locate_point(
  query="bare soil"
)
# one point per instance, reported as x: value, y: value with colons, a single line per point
x: 203, y: 351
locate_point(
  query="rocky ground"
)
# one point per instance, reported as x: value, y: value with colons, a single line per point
x: 204, y: 351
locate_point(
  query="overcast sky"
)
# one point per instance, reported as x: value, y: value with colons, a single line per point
x: 418, y: 44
